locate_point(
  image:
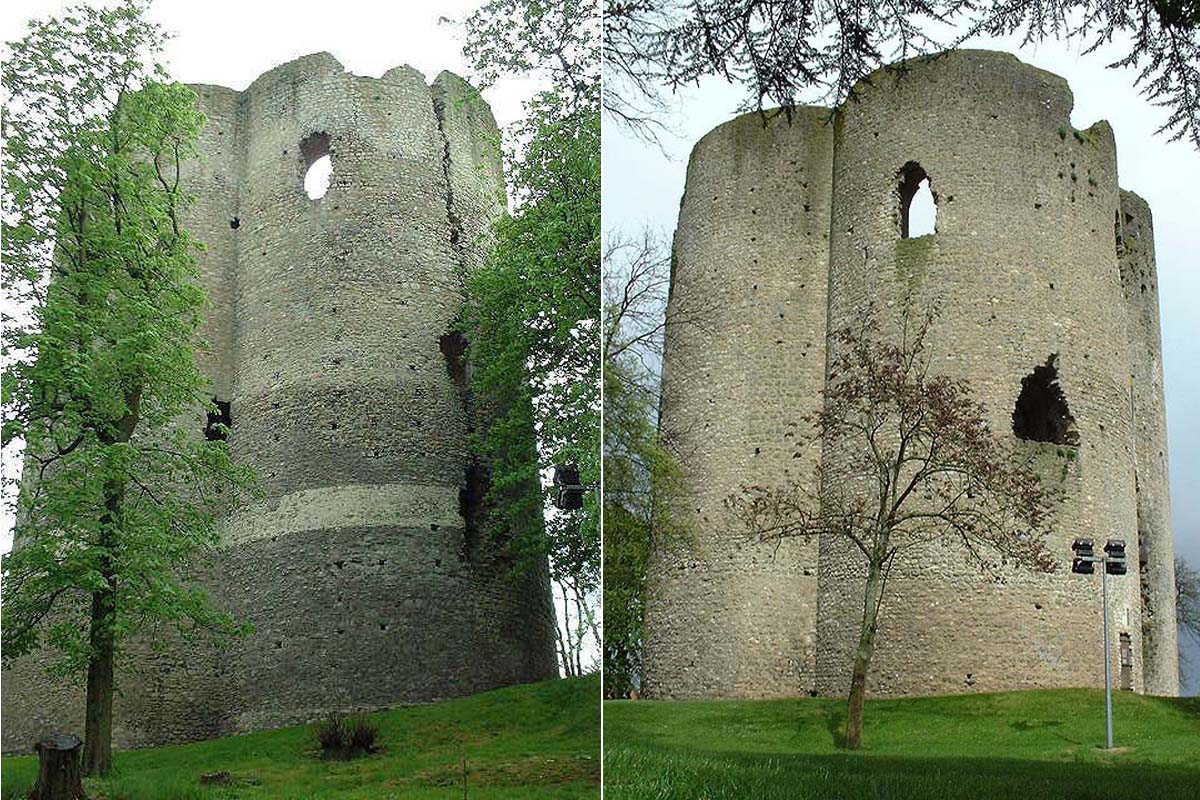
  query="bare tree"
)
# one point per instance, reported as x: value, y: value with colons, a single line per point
x: 1187, y: 610
x: 917, y: 464
x: 641, y: 473
x: 1187, y: 598
x: 575, y: 572
x: 782, y: 48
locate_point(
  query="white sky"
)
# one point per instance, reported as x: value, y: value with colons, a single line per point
x: 231, y: 43
x: 642, y: 185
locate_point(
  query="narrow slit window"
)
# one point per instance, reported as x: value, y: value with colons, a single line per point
x: 1126, y: 662
x: 318, y: 164
x: 918, y: 202
x: 216, y: 428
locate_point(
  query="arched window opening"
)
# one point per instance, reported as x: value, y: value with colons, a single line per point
x: 1042, y: 414
x: 918, y: 203
x: 318, y: 164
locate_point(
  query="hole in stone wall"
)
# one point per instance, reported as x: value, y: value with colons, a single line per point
x: 918, y: 202
x: 216, y: 428
x: 454, y: 350
x: 470, y: 503
x: 318, y: 164
x: 1041, y: 414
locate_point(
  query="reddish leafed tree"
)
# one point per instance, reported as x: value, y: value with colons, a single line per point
x: 909, y: 460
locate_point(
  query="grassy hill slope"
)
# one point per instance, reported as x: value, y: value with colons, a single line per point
x: 535, y: 741
x: 1025, y: 745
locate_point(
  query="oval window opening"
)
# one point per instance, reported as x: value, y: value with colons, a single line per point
x: 318, y: 163
x: 316, y: 180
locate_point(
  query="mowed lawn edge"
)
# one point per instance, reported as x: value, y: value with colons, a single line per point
x: 1027, y: 745
x: 538, y: 740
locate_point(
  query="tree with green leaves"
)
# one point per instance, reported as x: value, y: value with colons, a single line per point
x: 532, y: 309
x: 117, y: 501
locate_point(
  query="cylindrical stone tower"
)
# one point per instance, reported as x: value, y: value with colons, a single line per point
x: 1023, y: 269
x: 745, y: 358
x: 1139, y: 279
x: 789, y: 232
x: 328, y: 338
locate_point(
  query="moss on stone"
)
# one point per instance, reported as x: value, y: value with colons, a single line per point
x: 1050, y: 462
x: 912, y: 260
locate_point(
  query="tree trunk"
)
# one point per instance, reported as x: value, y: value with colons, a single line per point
x: 97, y: 731
x: 59, y: 775
x: 862, y: 659
x: 98, y: 715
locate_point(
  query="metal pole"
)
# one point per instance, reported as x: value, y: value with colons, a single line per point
x: 1107, y: 666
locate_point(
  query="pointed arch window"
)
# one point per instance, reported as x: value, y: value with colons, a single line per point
x: 918, y: 202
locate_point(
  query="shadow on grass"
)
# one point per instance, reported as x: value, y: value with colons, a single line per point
x: 1024, y: 725
x: 1188, y: 705
x: 835, y: 723
x: 635, y: 772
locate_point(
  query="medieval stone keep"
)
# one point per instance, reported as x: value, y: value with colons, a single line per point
x: 362, y: 571
x: 1043, y: 269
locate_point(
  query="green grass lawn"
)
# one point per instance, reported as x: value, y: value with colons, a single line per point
x: 536, y: 741
x: 1024, y: 745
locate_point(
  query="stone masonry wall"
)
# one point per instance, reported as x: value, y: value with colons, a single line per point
x: 325, y: 338
x: 1024, y: 269
x: 745, y: 358
x: 1134, y: 230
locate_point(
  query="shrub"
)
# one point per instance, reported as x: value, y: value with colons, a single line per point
x: 362, y: 735
x: 343, y: 739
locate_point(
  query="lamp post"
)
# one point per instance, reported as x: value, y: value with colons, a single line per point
x: 1112, y: 563
x: 569, y: 494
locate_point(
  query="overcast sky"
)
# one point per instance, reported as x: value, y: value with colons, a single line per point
x: 644, y: 186
x: 231, y: 43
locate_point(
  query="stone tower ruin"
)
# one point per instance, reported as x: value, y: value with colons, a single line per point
x: 362, y: 572
x: 1043, y: 269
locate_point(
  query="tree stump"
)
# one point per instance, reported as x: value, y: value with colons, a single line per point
x: 60, y: 774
